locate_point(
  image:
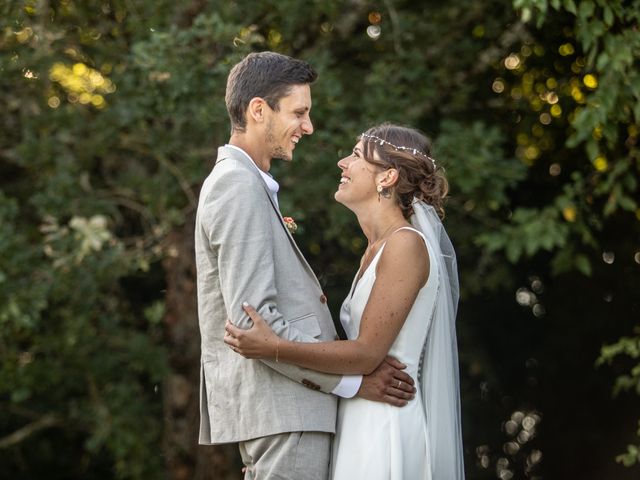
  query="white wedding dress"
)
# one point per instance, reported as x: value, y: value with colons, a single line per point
x: 376, y: 441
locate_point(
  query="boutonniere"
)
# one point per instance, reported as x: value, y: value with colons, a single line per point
x: 290, y: 224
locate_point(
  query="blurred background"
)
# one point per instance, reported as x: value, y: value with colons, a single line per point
x: 111, y: 112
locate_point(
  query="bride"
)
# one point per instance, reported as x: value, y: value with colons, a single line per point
x: 403, y: 303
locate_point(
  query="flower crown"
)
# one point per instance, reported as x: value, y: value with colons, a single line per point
x: 381, y: 142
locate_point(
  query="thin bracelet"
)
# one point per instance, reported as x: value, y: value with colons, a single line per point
x: 277, y: 348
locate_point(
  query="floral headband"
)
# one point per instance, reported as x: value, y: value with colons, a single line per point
x: 382, y: 142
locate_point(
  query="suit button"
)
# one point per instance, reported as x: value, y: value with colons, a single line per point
x: 323, y: 298
x: 310, y: 384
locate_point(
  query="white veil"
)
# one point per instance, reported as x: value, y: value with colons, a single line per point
x: 438, y: 371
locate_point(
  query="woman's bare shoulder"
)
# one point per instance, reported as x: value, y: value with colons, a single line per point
x: 405, y: 250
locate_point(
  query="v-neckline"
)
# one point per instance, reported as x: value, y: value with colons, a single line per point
x: 358, y: 278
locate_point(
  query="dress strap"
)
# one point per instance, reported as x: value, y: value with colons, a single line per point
x: 413, y: 230
x: 407, y: 228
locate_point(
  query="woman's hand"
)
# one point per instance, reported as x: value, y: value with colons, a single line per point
x: 257, y: 342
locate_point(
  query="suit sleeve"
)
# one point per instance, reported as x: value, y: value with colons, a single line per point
x: 236, y: 221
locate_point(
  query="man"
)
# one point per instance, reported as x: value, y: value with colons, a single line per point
x: 282, y: 415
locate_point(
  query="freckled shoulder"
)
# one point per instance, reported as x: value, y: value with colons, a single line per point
x: 406, y: 252
x: 407, y: 240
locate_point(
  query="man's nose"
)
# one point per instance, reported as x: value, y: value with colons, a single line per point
x: 307, y: 126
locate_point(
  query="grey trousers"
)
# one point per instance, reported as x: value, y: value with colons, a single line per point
x: 287, y: 456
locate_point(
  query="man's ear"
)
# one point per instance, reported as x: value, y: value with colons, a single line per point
x: 257, y: 109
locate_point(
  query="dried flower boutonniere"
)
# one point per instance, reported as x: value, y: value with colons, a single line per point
x: 290, y: 224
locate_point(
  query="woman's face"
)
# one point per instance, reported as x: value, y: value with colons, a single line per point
x: 358, y: 180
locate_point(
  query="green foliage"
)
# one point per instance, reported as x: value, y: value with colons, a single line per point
x: 529, y: 231
x: 473, y: 155
x: 596, y: 90
x: 70, y: 351
x: 625, y: 347
x: 632, y: 456
x: 81, y: 366
x: 607, y: 126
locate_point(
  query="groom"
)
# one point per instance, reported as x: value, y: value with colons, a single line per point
x: 281, y: 415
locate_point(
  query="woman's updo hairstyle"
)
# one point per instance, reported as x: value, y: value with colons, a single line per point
x: 409, y: 152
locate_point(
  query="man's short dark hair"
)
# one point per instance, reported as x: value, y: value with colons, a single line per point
x: 267, y: 75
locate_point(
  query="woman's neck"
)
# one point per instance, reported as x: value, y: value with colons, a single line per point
x: 378, y: 224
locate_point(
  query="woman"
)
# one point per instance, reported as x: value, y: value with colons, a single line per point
x: 403, y: 303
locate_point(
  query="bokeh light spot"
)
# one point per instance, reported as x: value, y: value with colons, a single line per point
x: 53, y: 102
x: 24, y: 35
x: 82, y: 83
x: 569, y: 214
x: 590, y: 81
x: 531, y: 152
x: 600, y: 163
x: 375, y: 18
x: 478, y: 31
x: 79, y: 69
x: 511, y: 427
x: 555, y: 169
x: 511, y: 448
x: 374, y: 31
x: 538, y: 310
x: 512, y: 61
x: 566, y: 49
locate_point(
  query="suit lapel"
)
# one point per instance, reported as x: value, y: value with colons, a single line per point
x: 247, y: 164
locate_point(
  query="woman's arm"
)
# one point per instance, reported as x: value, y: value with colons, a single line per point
x: 402, y: 270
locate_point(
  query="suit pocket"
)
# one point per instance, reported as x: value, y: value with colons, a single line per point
x: 306, y: 324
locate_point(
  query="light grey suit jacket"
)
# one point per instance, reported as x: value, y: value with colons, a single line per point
x: 244, y: 252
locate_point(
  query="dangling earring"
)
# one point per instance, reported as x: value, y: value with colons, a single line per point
x: 383, y: 191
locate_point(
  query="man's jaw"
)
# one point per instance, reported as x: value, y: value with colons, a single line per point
x: 283, y: 154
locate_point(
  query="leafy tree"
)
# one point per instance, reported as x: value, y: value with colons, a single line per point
x: 605, y: 123
x: 112, y: 113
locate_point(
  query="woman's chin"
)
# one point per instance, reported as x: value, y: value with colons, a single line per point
x: 340, y: 199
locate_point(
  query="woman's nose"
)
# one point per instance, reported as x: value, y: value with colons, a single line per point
x: 343, y: 163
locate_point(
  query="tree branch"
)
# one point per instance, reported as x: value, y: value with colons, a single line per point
x: 47, y: 421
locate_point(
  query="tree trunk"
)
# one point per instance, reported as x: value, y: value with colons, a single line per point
x: 185, y: 459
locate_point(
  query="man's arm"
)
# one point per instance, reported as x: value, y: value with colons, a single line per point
x: 236, y: 219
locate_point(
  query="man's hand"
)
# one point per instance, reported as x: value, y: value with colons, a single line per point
x: 388, y: 384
